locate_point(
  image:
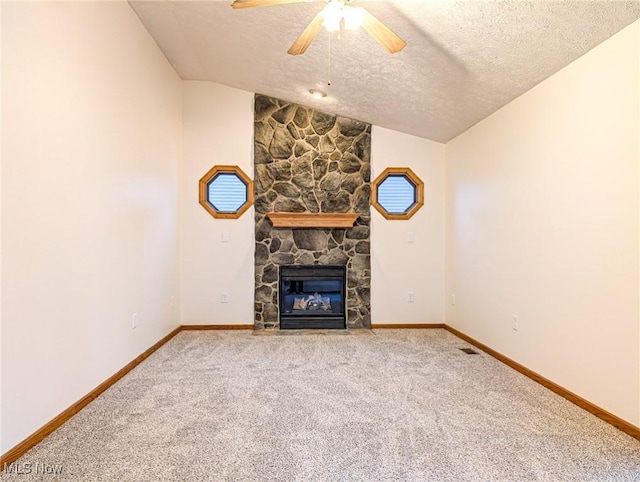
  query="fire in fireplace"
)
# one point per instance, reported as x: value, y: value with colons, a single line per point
x: 312, y: 297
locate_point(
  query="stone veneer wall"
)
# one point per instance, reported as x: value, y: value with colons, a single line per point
x: 310, y: 161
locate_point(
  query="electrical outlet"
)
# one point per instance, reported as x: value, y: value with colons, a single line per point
x: 516, y: 323
x: 134, y: 321
x: 410, y: 297
x: 224, y: 297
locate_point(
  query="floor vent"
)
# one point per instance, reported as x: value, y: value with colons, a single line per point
x: 469, y: 351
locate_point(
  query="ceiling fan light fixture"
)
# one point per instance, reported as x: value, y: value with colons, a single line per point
x: 353, y: 17
x: 332, y: 14
x: 317, y: 94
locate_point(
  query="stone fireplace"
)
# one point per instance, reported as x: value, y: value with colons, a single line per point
x: 308, y: 161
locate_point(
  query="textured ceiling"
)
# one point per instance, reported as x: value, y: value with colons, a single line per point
x: 463, y: 60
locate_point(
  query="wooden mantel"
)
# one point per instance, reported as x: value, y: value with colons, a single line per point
x: 313, y: 220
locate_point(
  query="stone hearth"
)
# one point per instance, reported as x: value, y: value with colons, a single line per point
x: 308, y: 161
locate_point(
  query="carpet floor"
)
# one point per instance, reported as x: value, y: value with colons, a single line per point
x: 382, y: 405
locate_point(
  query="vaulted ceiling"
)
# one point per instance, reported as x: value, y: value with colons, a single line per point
x: 463, y: 61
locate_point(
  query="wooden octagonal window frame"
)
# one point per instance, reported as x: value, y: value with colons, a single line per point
x: 412, y: 178
x: 210, y: 176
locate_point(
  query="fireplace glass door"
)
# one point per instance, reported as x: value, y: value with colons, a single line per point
x: 312, y: 297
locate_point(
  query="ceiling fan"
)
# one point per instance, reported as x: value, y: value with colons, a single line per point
x: 332, y: 16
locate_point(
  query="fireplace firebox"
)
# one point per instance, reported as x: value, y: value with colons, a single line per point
x: 312, y: 296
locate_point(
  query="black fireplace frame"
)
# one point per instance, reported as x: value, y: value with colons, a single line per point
x: 312, y: 320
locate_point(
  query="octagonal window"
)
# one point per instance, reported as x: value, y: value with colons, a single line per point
x: 397, y: 193
x: 226, y: 192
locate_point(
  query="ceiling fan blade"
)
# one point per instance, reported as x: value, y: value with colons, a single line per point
x: 382, y: 34
x: 304, y: 40
x: 262, y: 3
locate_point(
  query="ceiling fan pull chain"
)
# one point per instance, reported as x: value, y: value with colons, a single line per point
x: 329, y: 69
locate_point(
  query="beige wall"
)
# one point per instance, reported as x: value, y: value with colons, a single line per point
x: 1, y: 425
x: 91, y: 145
x: 397, y: 266
x: 542, y: 222
x: 218, y: 129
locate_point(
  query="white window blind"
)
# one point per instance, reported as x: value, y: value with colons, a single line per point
x: 396, y: 194
x: 227, y: 193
